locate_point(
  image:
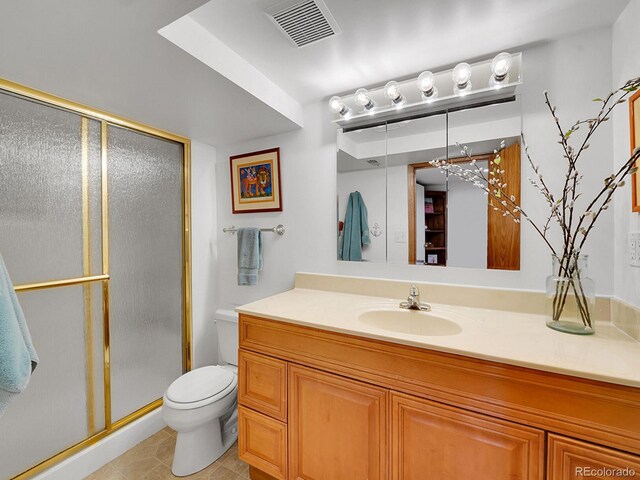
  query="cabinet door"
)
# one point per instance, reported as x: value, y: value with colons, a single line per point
x: 572, y: 460
x: 337, y: 428
x: 436, y: 442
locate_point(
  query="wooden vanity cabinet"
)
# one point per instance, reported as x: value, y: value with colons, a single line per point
x: 320, y: 405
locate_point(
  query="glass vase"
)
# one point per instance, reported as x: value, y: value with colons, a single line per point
x: 571, y: 296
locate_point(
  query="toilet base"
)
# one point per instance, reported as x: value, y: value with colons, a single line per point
x: 199, y: 448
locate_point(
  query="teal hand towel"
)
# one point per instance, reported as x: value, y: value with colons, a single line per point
x: 249, y: 255
x: 355, y: 233
x: 18, y: 358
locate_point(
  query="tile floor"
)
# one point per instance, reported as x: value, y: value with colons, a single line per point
x: 151, y: 460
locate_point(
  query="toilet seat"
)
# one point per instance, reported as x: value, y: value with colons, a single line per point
x: 200, y: 387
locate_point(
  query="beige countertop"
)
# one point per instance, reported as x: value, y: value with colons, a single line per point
x: 510, y: 337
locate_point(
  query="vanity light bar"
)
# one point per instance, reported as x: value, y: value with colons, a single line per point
x: 464, y: 84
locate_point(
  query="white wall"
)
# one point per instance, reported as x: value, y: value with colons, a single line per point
x: 574, y: 70
x: 626, y: 65
x: 308, y: 174
x: 371, y: 185
x: 204, y: 252
x: 123, y: 67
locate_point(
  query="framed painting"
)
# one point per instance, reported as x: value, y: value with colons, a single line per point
x: 634, y: 118
x: 255, y: 182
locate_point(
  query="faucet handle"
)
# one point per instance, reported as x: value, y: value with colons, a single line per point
x: 413, y: 290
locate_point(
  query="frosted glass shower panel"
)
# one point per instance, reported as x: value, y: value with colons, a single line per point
x: 43, y: 151
x: 145, y: 243
x: 54, y: 411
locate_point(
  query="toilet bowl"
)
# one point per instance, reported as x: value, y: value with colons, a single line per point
x: 201, y: 406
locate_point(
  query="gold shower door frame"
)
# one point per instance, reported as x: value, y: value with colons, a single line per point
x: 87, y: 280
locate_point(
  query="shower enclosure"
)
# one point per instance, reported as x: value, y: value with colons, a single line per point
x: 94, y: 230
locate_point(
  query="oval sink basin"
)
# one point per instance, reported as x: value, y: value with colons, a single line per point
x: 413, y: 322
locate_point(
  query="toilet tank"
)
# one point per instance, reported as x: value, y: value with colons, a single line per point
x: 227, y: 325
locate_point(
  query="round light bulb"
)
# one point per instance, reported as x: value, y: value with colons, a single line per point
x: 425, y: 82
x: 461, y: 75
x: 362, y: 99
x: 336, y: 105
x: 392, y: 91
x: 500, y: 66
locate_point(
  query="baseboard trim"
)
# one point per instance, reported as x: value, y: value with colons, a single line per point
x: 84, y: 463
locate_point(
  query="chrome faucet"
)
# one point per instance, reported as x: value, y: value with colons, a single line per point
x: 413, y: 301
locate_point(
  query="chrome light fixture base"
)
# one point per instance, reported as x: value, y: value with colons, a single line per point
x: 467, y: 84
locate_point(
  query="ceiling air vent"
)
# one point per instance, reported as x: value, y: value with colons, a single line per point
x: 304, y: 22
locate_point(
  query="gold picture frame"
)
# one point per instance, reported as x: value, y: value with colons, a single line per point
x: 255, y: 182
x: 634, y: 133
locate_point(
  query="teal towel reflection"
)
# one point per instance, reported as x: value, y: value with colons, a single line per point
x: 355, y: 233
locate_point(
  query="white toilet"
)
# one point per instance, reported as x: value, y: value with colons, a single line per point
x: 201, y: 405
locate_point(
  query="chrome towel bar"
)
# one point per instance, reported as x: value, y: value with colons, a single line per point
x: 279, y: 229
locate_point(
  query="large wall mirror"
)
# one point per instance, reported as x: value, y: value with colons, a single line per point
x: 395, y: 206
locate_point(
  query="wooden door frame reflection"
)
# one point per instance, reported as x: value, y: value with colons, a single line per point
x: 411, y: 188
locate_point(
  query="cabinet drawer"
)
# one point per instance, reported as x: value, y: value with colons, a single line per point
x: 263, y: 384
x: 571, y: 459
x: 451, y: 443
x: 262, y: 443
